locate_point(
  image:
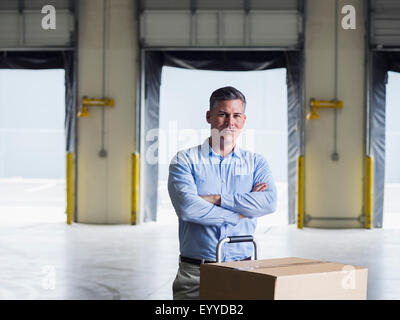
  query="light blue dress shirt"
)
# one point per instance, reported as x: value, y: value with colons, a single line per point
x: 199, y: 171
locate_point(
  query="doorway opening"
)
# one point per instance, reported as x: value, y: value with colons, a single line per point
x: 391, y: 207
x: 184, y: 96
x: 32, y: 146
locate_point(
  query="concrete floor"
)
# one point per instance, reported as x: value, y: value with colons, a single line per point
x: 43, y: 258
x: 56, y: 261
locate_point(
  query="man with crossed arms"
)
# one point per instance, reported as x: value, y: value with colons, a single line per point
x: 217, y: 190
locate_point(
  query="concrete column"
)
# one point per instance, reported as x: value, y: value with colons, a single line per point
x: 104, y: 183
x: 334, y: 189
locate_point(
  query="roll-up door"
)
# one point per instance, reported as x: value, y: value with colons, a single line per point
x: 21, y: 24
x: 385, y: 23
x: 233, y: 23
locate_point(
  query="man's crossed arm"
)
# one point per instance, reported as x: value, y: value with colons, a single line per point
x: 223, y: 208
x: 216, y: 198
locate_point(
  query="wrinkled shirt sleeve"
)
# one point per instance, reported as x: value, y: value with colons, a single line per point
x: 254, y: 204
x: 189, y: 206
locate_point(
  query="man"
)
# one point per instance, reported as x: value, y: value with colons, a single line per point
x: 217, y: 190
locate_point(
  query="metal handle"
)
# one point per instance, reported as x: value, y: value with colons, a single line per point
x: 235, y: 239
x: 241, y: 239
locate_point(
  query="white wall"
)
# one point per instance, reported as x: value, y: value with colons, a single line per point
x: 104, y: 184
x: 334, y: 188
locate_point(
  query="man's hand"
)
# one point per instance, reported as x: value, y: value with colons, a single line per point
x: 213, y: 198
x: 216, y: 198
x: 259, y: 187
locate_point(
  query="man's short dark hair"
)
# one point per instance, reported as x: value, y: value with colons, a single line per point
x: 226, y: 93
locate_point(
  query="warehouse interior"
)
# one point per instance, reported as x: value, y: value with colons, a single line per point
x: 84, y: 212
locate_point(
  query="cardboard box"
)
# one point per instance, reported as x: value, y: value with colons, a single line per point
x: 282, y: 279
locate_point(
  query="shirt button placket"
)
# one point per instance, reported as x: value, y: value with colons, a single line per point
x: 223, y: 188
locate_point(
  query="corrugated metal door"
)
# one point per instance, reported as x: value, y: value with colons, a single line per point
x: 233, y: 23
x: 385, y: 23
x: 21, y: 24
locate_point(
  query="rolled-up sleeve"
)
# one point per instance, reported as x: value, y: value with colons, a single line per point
x: 188, y: 205
x: 254, y: 204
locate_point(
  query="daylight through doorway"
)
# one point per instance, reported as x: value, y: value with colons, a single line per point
x: 391, y: 207
x: 184, y: 96
x: 32, y: 146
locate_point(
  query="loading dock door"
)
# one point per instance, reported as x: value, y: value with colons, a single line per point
x: 384, y: 43
x: 223, y: 61
x: 381, y: 62
x: 228, y: 35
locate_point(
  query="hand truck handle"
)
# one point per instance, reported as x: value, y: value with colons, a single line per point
x: 234, y: 239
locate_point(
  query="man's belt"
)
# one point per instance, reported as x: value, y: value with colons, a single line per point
x: 201, y: 261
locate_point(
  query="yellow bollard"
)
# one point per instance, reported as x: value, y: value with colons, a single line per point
x: 300, y: 192
x: 135, y: 187
x: 69, y: 188
x: 368, y: 193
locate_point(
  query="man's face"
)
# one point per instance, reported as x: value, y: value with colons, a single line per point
x: 227, y: 119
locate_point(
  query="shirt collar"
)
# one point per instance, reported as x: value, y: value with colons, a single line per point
x: 206, y: 150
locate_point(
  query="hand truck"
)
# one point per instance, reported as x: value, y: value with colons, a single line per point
x: 235, y: 239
